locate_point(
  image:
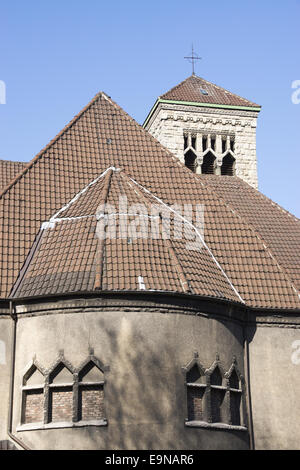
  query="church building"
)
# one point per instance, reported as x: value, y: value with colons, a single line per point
x: 149, y: 293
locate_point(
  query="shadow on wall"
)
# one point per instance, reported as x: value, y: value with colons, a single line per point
x: 145, y: 396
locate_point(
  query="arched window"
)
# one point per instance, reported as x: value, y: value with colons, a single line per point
x: 190, y: 160
x: 217, y: 395
x: 61, y: 394
x: 196, y: 386
x: 208, y: 165
x: 91, y: 393
x: 235, y: 398
x: 227, y: 167
x: 33, y: 395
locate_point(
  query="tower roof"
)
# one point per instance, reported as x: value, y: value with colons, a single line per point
x: 195, y: 89
x: 255, y: 242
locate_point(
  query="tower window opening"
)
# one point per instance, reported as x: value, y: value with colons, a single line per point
x: 213, y: 143
x: 204, y: 143
x: 232, y: 144
x: 227, y: 167
x: 190, y: 160
x: 193, y: 141
x: 208, y: 164
x: 185, y: 139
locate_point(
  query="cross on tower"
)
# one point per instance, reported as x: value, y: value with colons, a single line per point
x: 192, y: 59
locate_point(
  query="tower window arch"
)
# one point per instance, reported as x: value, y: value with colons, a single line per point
x: 208, y: 165
x: 227, y: 167
x: 190, y: 160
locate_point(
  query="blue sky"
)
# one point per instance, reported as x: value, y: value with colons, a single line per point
x: 55, y: 56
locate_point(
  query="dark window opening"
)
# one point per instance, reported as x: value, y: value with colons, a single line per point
x: 194, y: 142
x: 217, y: 398
x: 227, y: 165
x: 190, y: 160
x: 213, y: 143
x: 232, y: 145
x: 185, y: 137
x: 208, y: 164
x: 235, y: 406
x: 204, y: 143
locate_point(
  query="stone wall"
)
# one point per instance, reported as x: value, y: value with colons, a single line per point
x: 169, y: 123
x: 144, y: 350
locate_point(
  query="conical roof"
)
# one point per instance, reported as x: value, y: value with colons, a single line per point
x: 115, y: 235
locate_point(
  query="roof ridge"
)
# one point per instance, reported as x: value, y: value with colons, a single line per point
x: 50, y: 143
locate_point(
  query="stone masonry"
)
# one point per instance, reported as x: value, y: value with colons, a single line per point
x: 170, y: 122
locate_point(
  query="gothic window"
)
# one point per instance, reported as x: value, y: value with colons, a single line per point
x: 190, y: 160
x: 61, y: 394
x: 185, y: 141
x: 196, y: 386
x: 64, y: 394
x: 33, y: 396
x: 235, y: 398
x: 204, y: 143
x: 227, y: 167
x: 91, y: 393
x: 217, y: 395
x: 214, y: 398
x: 208, y: 164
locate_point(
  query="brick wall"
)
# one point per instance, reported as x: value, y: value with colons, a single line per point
x: 195, y: 403
x: 91, y: 402
x: 34, y: 406
x: 61, y: 399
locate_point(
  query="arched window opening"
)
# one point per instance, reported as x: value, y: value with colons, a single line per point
x: 91, y: 393
x: 33, y: 396
x: 196, y: 385
x: 217, y: 394
x: 235, y: 398
x: 227, y: 167
x: 185, y: 141
x: 208, y: 164
x: 190, y: 160
x: 61, y: 394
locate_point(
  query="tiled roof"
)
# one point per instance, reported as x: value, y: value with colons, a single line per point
x: 191, y: 88
x: 73, y: 255
x: 8, y: 171
x: 103, y: 135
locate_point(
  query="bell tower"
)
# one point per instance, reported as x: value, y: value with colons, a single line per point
x: 210, y: 130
